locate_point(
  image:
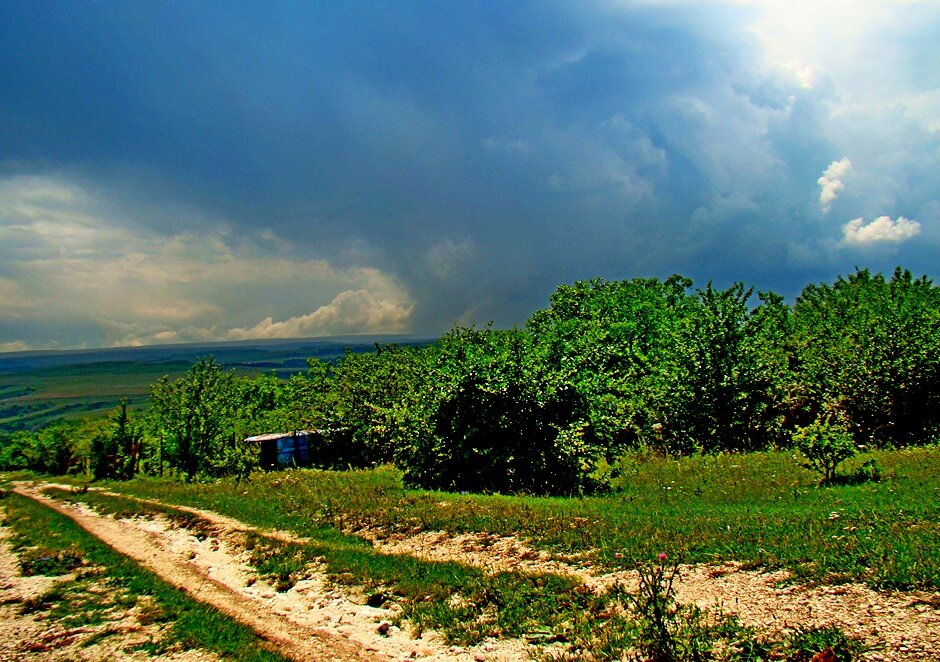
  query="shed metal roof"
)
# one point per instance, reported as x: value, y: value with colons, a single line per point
x: 280, y: 435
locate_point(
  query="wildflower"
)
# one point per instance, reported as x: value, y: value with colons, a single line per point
x: 618, y: 555
x: 662, y: 556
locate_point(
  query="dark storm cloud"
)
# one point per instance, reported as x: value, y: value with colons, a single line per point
x: 468, y: 156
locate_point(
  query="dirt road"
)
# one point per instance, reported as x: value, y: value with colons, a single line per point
x: 311, y: 621
x: 291, y: 639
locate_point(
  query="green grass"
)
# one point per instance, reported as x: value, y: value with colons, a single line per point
x: 762, y: 510
x: 759, y: 509
x: 463, y: 603
x: 29, y: 401
x: 75, y: 603
x: 518, y: 602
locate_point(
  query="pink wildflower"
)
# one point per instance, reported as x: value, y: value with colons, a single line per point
x: 662, y: 556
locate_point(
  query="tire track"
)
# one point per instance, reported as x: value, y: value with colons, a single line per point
x: 295, y: 641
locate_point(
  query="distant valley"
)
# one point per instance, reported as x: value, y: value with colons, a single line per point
x: 39, y: 387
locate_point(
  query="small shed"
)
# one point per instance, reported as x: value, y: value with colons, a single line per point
x: 285, y: 449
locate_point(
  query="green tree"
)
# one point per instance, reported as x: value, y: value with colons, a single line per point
x: 869, y: 348
x: 114, y: 448
x: 727, y: 393
x: 11, y: 451
x: 373, y: 406
x: 500, y: 421
x: 197, y: 414
x: 614, y: 343
x: 50, y: 450
x: 825, y: 445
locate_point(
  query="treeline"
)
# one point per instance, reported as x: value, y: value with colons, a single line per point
x: 549, y: 408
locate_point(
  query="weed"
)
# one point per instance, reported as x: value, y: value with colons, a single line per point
x: 806, y: 642
x: 671, y: 632
x: 656, y: 608
x: 49, y: 562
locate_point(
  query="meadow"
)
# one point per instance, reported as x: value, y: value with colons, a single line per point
x: 759, y: 509
x: 751, y: 512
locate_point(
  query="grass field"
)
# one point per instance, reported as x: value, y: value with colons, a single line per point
x: 30, y: 400
x: 761, y: 509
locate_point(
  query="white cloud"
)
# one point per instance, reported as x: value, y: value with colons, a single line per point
x: 857, y: 45
x: 70, y: 260
x: 352, y: 311
x: 881, y: 230
x: 830, y: 183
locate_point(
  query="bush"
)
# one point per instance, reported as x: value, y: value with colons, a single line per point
x: 825, y: 445
x: 671, y: 632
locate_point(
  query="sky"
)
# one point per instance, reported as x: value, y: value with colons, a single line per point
x: 200, y: 171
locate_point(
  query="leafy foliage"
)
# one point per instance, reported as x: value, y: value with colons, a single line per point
x: 204, y: 415
x: 825, y: 445
x: 50, y: 450
x: 115, y: 450
x: 501, y: 421
x: 868, y: 347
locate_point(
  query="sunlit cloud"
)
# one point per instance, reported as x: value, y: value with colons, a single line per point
x: 352, y: 311
x: 831, y: 184
x: 853, y: 45
x: 67, y: 255
x: 15, y: 346
x: 881, y: 230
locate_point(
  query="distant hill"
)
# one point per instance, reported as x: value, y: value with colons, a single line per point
x: 39, y: 387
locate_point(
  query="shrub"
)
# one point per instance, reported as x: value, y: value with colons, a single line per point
x: 671, y: 632
x: 655, y: 605
x: 824, y: 445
